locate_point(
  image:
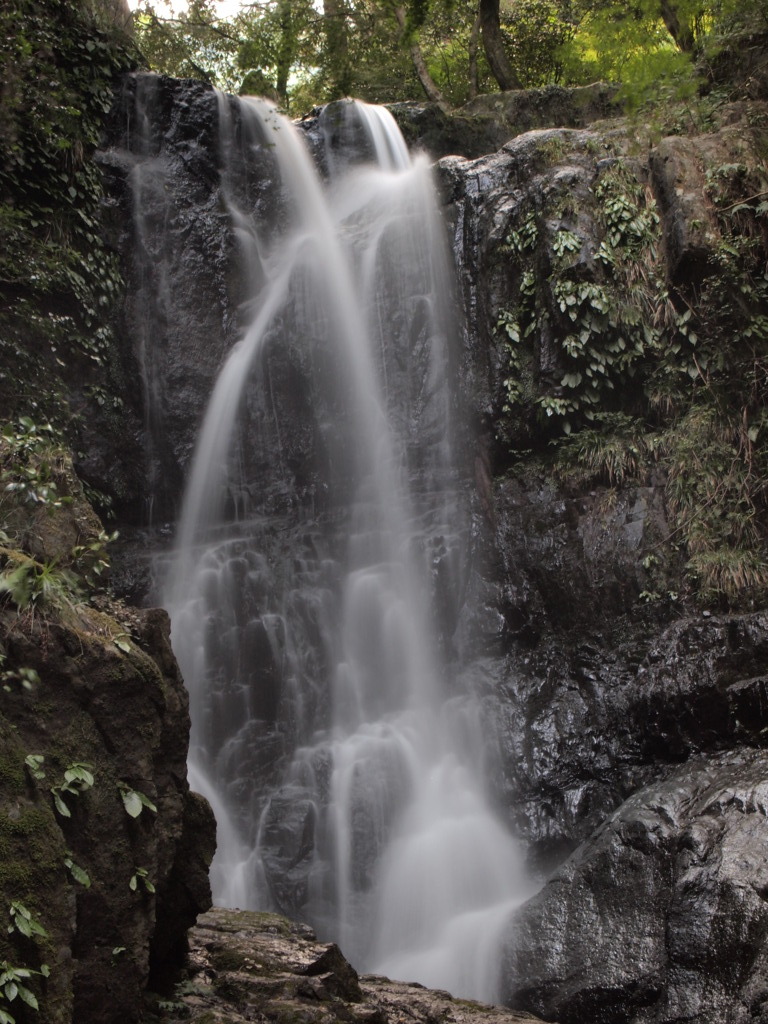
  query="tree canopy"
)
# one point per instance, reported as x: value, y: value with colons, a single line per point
x: 302, y: 52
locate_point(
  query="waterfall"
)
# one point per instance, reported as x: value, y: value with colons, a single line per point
x: 311, y: 598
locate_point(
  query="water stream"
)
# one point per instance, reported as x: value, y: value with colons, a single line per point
x: 345, y: 768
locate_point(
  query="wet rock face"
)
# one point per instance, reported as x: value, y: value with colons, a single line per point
x: 546, y: 174
x: 630, y: 739
x: 661, y: 914
x: 162, y: 159
x: 166, y: 211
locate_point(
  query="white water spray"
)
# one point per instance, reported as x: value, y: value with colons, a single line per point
x: 399, y: 856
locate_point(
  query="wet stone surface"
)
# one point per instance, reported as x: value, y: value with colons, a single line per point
x: 250, y: 966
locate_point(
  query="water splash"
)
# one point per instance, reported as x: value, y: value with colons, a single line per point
x: 364, y: 809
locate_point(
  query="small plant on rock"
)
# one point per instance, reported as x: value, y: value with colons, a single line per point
x: 134, y: 801
x: 78, y: 777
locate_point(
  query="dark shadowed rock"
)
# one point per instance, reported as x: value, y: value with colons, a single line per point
x: 484, y: 124
x: 110, y: 696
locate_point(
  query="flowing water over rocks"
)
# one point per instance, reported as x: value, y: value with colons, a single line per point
x: 314, y: 621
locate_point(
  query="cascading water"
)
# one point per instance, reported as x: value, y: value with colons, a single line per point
x: 346, y: 773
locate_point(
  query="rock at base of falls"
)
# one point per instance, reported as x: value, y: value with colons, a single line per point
x: 247, y: 966
x: 661, y: 916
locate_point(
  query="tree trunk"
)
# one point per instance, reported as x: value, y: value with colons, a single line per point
x: 417, y: 58
x: 285, y: 51
x: 493, y: 44
x: 337, y: 48
x: 681, y: 31
x: 474, y: 39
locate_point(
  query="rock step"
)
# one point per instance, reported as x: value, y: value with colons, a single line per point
x: 252, y: 966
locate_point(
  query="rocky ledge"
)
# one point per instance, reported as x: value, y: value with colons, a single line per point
x: 247, y: 966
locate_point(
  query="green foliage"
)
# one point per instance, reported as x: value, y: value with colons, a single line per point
x: 24, y: 922
x: 296, y: 54
x: 33, y: 585
x: 34, y: 763
x: 78, y: 777
x: 58, y: 279
x: 616, y: 449
x: 638, y: 376
x: 14, y: 980
x: 601, y: 321
x: 194, y: 44
x: 90, y: 561
x: 619, y: 43
x: 134, y: 801
x: 301, y: 54
x: 24, y: 677
x: 140, y: 878
x: 536, y: 33
x: 29, y: 457
x: 80, y: 875
x: 33, y: 465
x: 713, y: 495
x: 13, y: 985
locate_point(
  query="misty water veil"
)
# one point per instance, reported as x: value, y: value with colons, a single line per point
x: 330, y: 732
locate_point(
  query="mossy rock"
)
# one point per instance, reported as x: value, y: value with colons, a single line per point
x: 32, y: 872
x: 50, y: 529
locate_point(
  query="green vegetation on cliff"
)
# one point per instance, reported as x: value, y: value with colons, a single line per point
x: 637, y: 339
x: 59, y: 281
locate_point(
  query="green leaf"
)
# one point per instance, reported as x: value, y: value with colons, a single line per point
x: 23, y: 926
x: 28, y: 997
x: 35, y: 762
x: 80, y: 774
x: 132, y: 802
x: 61, y: 807
x: 79, y: 874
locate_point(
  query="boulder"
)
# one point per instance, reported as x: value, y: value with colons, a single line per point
x: 113, y: 888
x: 661, y: 915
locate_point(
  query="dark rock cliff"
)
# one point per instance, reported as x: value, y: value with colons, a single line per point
x: 632, y: 718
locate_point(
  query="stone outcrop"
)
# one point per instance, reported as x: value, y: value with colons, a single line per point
x: 250, y: 966
x: 486, y: 123
x: 109, y: 697
x: 631, y: 723
x: 92, y: 710
x: 661, y: 914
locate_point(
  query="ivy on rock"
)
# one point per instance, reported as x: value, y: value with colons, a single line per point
x: 623, y: 368
x: 58, y: 278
